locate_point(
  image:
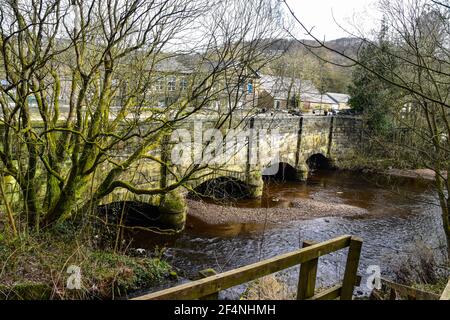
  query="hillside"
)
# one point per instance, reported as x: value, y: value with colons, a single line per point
x: 317, y: 64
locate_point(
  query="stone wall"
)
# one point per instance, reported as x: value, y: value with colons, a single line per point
x: 346, y: 139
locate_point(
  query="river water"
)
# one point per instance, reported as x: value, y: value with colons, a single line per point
x: 403, y: 218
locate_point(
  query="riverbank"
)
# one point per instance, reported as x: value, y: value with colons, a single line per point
x: 388, y: 167
x: 214, y: 214
x: 45, y: 266
x: 424, y: 174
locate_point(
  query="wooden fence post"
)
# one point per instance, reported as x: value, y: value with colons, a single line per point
x: 393, y: 294
x: 205, y: 274
x: 307, y: 276
x: 351, y: 268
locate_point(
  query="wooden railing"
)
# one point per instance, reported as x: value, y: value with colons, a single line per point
x: 397, y: 290
x: 307, y: 257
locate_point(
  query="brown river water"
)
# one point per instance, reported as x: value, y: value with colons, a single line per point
x: 403, y: 217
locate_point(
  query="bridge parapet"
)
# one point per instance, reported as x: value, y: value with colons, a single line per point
x: 337, y: 138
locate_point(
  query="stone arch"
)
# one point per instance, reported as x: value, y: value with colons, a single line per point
x: 222, y: 188
x: 282, y: 171
x: 318, y: 161
x: 142, y: 214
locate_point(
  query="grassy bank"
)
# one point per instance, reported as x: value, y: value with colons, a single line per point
x: 388, y: 167
x: 36, y: 266
x: 373, y: 163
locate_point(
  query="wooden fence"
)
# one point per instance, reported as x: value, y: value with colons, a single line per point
x: 307, y: 257
x: 397, y: 290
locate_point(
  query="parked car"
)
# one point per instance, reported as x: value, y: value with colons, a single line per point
x: 319, y: 112
x: 295, y: 112
x: 347, y: 112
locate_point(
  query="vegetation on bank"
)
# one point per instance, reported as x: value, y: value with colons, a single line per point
x: 364, y: 162
x: 427, y: 269
x: 38, y: 266
x: 268, y: 288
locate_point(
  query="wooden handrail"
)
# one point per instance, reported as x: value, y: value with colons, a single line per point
x: 328, y: 294
x: 210, y: 285
x: 403, y: 290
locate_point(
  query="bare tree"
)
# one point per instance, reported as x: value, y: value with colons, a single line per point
x: 81, y: 80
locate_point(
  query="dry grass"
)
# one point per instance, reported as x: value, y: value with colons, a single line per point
x: 268, y: 288
x: 424, y: 270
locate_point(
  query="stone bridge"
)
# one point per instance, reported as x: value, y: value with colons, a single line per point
x: 304, y: 141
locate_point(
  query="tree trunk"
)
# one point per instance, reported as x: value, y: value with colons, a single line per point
x: 446, y: 224
x: 445, y: 209
x: 30, y: 205
x: 66, y: 202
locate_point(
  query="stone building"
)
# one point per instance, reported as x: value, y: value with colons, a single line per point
x: 233, y: 88
x: 341, y: 100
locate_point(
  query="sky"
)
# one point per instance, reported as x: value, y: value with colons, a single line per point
x: 352, y: 14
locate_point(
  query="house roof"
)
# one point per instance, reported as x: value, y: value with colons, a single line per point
x: 279, y: 87
x: 316, y: 98
x: 188, y: 64
x: 174, y: 64
x: 339, y: 97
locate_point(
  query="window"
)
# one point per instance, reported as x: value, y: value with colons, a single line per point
x: 183, y: 84
x: 32, y: 101
x: 250, y: 88
x: 159, y: 85
x: 277, y: 104
x: 171, y: 84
